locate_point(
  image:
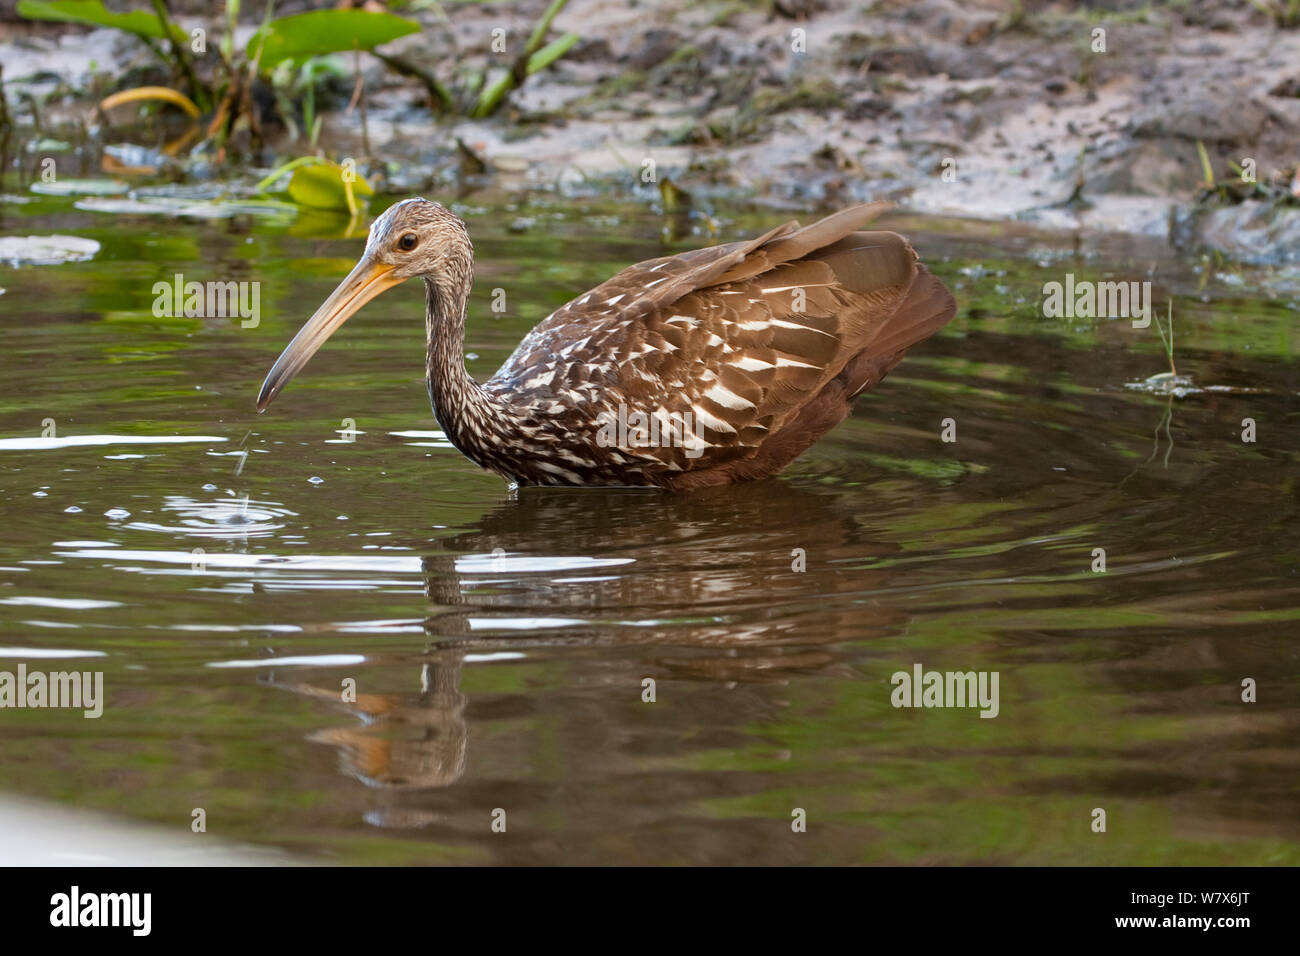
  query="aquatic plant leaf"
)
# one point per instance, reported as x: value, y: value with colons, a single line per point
x: 326, y: 31
x: 492, y: 96
x: 80, y: 187
x: 94, y: 13
x: 674, y: 197
x: 551, y: 52
x: 192, y: 208
x: 1207, y: 171
x: 46, y: 250
x: 144, y: 93
x: 322, y: 186
x: 327, y: 224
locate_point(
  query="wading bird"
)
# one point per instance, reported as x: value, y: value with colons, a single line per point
x: 714, y: 366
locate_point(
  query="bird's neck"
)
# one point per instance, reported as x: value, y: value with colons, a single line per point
x: 466, y: 413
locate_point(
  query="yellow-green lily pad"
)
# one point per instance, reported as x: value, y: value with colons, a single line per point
x: 325, y: 186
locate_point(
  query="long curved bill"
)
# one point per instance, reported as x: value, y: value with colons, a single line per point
x: 362, y: 284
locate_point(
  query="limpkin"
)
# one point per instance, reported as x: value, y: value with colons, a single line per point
x: 718, y: 365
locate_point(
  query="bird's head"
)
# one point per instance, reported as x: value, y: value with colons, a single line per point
x: 413, y: 238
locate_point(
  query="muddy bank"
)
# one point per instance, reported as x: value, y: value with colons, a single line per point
x: 1071, y: 116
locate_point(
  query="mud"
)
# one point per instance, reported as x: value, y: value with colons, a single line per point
x: 987, y: 110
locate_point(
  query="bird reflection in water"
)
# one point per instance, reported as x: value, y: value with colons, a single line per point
x: 727, y: 556
x: 411, y: 741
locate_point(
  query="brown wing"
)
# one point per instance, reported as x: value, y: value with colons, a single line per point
x: 710, y: 355
x: 616, y: 303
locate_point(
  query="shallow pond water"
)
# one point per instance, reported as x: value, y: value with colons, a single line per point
x: 231, y: 573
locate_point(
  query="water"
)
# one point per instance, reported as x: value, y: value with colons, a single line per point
x: 231, y: 573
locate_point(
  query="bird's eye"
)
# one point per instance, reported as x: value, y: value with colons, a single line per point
x: 408, y: 242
